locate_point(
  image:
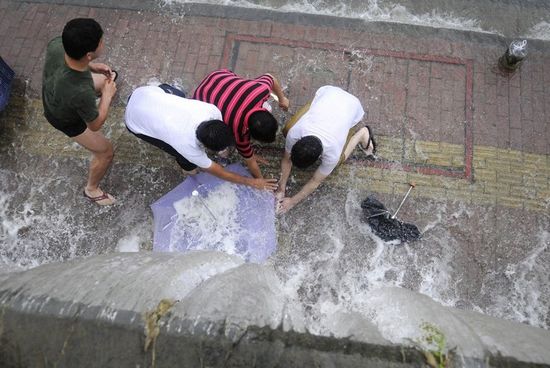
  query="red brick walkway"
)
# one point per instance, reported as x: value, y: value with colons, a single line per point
x: 417, y: 85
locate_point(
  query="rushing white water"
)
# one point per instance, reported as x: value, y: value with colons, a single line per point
x: 369, y: 11
x: 329, y: 263
x: 129, y: 244
x: 445, y: 14
x: 526, y: 301
x: 540, y: 31
x: 209, y: 220
x: 21, y: 245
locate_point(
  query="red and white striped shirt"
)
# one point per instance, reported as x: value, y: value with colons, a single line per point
x: 237, y: 98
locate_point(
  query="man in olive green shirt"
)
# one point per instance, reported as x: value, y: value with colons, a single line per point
x: 70, y: 86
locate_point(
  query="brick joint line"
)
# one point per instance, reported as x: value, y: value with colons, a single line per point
x: 229, y: 59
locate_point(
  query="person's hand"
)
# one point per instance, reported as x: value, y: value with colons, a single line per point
x: 284, y: 205
x: 109, y: 89
x: 265, y: 184
x: 284, y: 103
x: 101, y: 69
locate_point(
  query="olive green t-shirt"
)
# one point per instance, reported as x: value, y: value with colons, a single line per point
x: 68, y: 95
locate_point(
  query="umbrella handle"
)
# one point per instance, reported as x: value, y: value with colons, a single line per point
x: 379, y: 214
x: 412, y: 184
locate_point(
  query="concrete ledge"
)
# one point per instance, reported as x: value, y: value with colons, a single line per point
x: 283, y: 17
x: 93, y: 312
x: 84, y: 340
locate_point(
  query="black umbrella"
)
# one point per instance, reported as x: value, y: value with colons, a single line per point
x: 384, y: 224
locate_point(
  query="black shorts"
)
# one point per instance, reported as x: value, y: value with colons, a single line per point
x: 72, y: 130
x: 182, y: 161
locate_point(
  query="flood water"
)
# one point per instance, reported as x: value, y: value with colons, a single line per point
x: 327, y: 257
x: 476, y: 257
x: 510, y: 18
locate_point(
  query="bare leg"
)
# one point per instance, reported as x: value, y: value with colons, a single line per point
x: 361, y: 137
x: 99, y: 81
x: 102, y: 151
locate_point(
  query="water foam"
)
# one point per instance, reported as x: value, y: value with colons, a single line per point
x: 129, y: 244
x: 336, y: 281
x: 527, y: 278
x: 209, y: 220
x: 540, y: 31
x: 371, y: 11
x: 22, y: 232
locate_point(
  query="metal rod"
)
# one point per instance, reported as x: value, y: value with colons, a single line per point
x: 379, y: 214
x: 411, y: 186
x: 195, y: 193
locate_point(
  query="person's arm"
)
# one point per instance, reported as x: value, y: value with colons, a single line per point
x: 258, y: 183
x: 100, y: 68
x: 288, y: 203
x: 253, y: 167
x: 107, y: 93
x: 286, y: 167
x: 283, y: 101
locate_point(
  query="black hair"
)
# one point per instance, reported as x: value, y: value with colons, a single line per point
x: 80, y: 36
x: 263, y: 126
x: 306, y: 151
x: 215, y: 135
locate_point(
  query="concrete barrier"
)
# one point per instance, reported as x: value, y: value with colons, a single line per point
x: 209, y: 309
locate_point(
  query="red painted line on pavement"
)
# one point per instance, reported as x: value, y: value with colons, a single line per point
x: 468, y: 124
x: 465, y: 173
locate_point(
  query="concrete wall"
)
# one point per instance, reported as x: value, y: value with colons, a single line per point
x: 100, y: 311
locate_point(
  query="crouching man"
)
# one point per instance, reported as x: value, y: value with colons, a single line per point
x: 322, y: 128
x: 184, y: 128
x: 241, y: 102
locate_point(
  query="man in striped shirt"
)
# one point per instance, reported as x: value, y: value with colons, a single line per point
x: 241, y: 103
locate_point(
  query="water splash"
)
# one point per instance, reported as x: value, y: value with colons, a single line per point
x: 369, y: 11
x: 24, y: 240
x: 129, y: 244
x: 527, y: 279
x: 540, y: 31
x: 195, y: 222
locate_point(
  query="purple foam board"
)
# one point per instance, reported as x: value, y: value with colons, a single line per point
x: 255, y: 215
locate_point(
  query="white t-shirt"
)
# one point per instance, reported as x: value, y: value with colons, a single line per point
x: 172, y: 119
x: 333, y: 112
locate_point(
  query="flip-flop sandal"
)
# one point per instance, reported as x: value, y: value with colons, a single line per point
x: 371, y: 139
x: 98, y: 198
x: 372, y: 155
x: 171, y: 90
x: 116, y: 75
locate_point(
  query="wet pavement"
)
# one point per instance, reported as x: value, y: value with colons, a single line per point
x: 475, y: 141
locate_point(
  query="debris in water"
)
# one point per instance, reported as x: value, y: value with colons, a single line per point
x: 385, y: 225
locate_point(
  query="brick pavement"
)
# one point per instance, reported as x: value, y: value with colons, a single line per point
x: 445, y: 118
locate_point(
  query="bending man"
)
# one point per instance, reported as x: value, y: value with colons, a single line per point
x: 70, y: 85
x: 241, y: 103
x: 322, y: 129
x: 183, y: 128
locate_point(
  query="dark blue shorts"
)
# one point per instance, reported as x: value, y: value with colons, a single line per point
x: 182, y: 161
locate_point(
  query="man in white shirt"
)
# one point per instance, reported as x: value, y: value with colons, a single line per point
x: 183, y: 128
x: 322, y: 129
